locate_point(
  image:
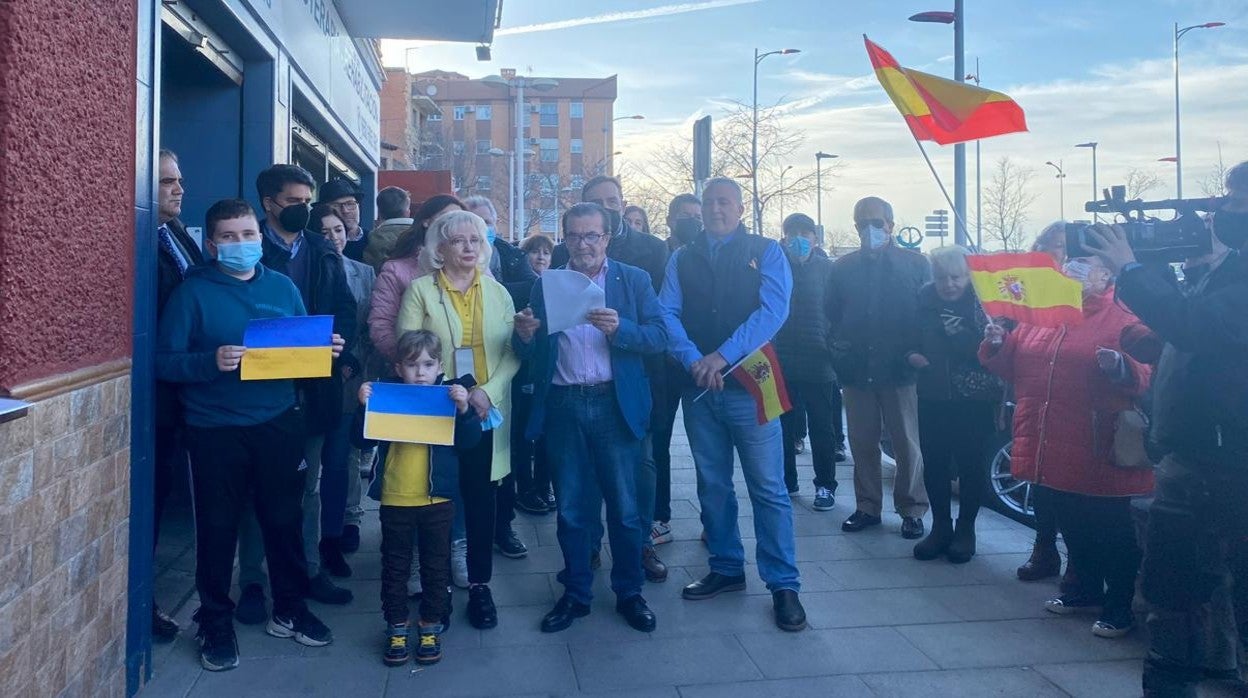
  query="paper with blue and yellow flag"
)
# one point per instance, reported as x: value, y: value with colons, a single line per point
x: 288, y: 347
x: 419, y: 414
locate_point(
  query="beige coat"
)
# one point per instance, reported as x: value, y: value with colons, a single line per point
x: 425, y: 307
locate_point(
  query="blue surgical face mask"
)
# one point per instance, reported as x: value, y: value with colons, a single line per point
x: 239, y: 257
x: 490, y: 234
x: 800, y: 247
x: 877, y: 238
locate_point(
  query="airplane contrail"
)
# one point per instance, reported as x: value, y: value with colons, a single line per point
x: 664, y: 11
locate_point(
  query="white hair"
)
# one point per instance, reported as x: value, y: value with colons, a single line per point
x: 951, y: 260
x: 478, y: 201
x: 440, y: 232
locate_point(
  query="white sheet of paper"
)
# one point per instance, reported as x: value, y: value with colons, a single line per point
x: 569, y: 296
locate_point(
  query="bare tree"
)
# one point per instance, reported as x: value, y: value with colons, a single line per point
x: 670, y: 171
x: 1140, y: 182
x: 1214, y: 184
x: 1006, y: 201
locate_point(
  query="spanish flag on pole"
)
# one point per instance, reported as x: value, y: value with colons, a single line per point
x: 759, y: 373
x: 942, y: 110
x: 1026, y: 287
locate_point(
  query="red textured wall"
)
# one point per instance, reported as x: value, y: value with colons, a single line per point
x: 421, y: 184
x: 67, y: 140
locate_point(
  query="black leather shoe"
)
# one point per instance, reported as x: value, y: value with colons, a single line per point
x: 713, y: 585
x: 510, y: 546
x: 858, y: 521
x: 911, y: 527
x: 790, y: 615
x: 637, y: 613
x: 561, y: 616
x: 532, y: 503
x: 482, y: 614
x: 322, y: 590
x: 350, y: 538
x: 332, y: 559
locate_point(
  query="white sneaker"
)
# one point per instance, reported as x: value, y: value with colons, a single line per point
x: 660, y: 533
x: 459, y: 563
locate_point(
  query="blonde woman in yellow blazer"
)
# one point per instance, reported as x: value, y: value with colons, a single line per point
x: 460, y: 294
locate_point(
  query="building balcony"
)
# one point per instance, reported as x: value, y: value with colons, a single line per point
x: 472, y: 21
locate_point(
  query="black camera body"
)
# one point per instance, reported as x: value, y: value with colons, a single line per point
x: 1152, y: 239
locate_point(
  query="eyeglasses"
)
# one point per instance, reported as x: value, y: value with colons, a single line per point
x: 867, y: 223
x: 586, y: 239
x: 464, y: 243
x: 348, y: 206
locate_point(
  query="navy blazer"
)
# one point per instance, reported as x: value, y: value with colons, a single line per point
x: 630, y: 293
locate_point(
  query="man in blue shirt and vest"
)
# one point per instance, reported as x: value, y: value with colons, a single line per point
x: 726, y: 294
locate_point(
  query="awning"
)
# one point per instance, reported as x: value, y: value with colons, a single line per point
x: 471, y: 21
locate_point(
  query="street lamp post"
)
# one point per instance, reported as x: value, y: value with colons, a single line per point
x: 758, y: 212
x: 979, y: 197
x: 819, y: 158
x: 1092, y: 144
x: 1061, y: 188
x: 958, y: 19
x: 519, y: 83
x: 1178, y: 141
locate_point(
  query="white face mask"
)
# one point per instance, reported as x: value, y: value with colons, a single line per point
x: 1077, y: 270
x: 876, y: 237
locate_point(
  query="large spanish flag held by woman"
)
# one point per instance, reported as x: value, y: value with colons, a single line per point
x: 943, y: 110
x: 1026, y: 287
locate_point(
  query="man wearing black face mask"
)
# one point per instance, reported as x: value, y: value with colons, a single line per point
x: 684, y: 220
x: 650, y: 254
x: 313, y: 264
x: 1200, y: 420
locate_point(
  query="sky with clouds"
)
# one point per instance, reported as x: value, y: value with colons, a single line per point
x: 1081, y: 71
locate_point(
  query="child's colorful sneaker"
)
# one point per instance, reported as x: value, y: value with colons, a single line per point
x: 429, y: 651
x: 396, y: 647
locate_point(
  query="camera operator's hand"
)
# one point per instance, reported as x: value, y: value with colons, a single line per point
x: 1109, y: 242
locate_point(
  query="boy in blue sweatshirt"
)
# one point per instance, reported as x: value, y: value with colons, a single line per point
x: 245, y: 438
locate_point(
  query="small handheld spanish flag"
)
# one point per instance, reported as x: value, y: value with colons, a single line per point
x: 288, y: 347
x: 421, y: 414
x: 1026, y: 287
x: 759, y: 373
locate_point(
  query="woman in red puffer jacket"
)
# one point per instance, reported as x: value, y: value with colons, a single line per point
x: 1070, y: 384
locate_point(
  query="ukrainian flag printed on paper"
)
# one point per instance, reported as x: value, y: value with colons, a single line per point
x: 419, y: 414
x: 288, y: 347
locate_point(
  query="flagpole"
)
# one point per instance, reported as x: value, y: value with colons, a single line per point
x: 957, y: 216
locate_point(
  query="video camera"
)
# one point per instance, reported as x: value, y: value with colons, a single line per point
x: 1153, y: 240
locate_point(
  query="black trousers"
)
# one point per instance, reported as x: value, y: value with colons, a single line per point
x: 479, y: 496
x: 952, y: 437
x: 1046, y: 516
x: 1195, y: 576
x: 401, y: 528
x: 1100, y: 537
x: 813, y: 406
x: 662, y: 423
x: 170, y: 456
x: 529, y: 466
x: 236, y: 467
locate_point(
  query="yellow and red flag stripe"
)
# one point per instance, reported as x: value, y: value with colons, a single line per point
x: 759, y: 373
x: 942, y: 110
x: 1026, y: 287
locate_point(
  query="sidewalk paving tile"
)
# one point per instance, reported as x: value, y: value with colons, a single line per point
x: 485, y: 671
x: 815, y: 687
x: 661, y: 662
x: 826, y: 652
x: 1015, y: 682
x: 1017, y: 642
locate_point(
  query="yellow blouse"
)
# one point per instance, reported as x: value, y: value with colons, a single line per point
x: 467, y: 306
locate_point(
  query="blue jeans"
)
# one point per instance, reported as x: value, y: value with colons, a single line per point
x: 647, y: 486
x: 716, y: 424
x: 597, y: 454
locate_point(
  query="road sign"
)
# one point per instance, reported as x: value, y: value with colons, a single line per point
x: 702, y: 149
x: 937, y: 225
x: 909, y: 237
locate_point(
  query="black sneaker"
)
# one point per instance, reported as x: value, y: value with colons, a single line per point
x: 332, y: 559
x: 429, y: 651
x: 218, y: 648
x: 1068, y: 604
x: 306, y: 629
x: 324, y: 591
x: 482, y: 613
x: 396, y: 646
x: 251, y: 608
x: 839, y: 454
x: 532, y: 503
x: 510, y: 546
x: 1113, y: 625
x: 164, y: 628
x: 350, y: 538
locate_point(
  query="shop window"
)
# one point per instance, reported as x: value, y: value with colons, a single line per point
x: 550, y: 149
x: 550, y: 114
x: 576, y: 110
x: 578, y: 146
x: 484, y: 112
x: 459, y: 113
